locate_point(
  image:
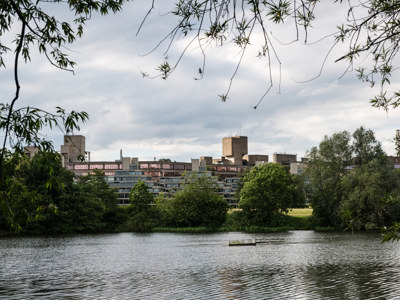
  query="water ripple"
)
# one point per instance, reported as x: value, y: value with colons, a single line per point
x: 294, y: 265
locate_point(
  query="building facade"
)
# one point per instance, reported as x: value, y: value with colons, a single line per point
x: 165, y: 176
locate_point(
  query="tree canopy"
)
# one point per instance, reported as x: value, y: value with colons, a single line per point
x: 349, y: 176
x: 43, y: 198
x: 195, y: 203
x: 142, y: 213
x: 267, y: 192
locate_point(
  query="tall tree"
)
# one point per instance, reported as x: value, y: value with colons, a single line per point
x: 364, y: 188
x: 140, y: 197
x: 325, y: 168
x: 141, y: 212
x: 348, y: 180
x: 267, y: 192
x: 365, y: 146
x: 196, y: 203
x: 35, y: 24
x: 94, y: 186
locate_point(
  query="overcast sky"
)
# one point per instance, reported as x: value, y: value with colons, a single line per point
x: 182, y: 118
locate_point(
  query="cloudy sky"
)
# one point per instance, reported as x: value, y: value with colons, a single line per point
x: 182, y: 118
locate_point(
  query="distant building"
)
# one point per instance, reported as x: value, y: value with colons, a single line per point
x: 234, y: 148
x: 73, y: 149
x: 31, y: 151
x: 164, y: 176
x: 284, y: 159
x: 235, y: 152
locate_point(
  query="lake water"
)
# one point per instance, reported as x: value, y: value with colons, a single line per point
x: 292, y: 265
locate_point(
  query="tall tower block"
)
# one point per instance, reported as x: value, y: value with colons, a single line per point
x: 233, y: 148
x: 73, y: 149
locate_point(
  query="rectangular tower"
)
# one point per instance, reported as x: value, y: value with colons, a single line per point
x: 233, y: 148
x: 73, y: 149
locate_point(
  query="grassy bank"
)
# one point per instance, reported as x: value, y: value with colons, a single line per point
x: 295, y: 219
x: 299, y: 218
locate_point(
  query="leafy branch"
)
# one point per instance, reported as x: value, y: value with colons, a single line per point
x: 222, y: 22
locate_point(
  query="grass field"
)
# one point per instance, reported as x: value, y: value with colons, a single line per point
x: 300, y: 218
x: 300, y: 212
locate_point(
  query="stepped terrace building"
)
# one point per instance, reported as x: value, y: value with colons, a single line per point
x: 165, y: 176
x: 160, y: 177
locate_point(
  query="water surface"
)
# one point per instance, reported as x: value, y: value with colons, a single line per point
x: 292, y: 265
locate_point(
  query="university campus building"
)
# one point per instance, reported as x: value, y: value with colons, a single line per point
x: 164, y: 176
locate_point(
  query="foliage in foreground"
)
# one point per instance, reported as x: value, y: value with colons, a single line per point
x: 45, y: 199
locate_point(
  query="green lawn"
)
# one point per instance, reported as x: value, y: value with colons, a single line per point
x: 300, y: 218
x: 300, y: 212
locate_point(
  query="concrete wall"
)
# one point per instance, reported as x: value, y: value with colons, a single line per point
x: 74, y: 148
x: 253, y: 158
x: 233, y: 148
x: 284, y: 159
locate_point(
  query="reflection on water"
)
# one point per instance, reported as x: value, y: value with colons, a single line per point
x: 293, y: 265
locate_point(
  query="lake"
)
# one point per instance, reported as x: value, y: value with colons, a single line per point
x: 291, y: 265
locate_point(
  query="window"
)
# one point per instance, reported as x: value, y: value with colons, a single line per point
x: 127, y: 178
x: 111, y: 166
x: 144, y: 166
x: 166, y: 166
x: 135, y: 173
x: 155, y: 166
x: 179, y: 167
x: 96, y: 166
x: 121, y: 172
x: 81, y: 167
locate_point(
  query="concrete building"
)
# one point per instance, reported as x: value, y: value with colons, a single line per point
x: 235, y: 152
x: 73, y: 149
x: 284, y: 159
x: 31, y: 151
x: 297, y: 167
x: 234, y: 148
x: 165, y: 176
x: 255, y: 159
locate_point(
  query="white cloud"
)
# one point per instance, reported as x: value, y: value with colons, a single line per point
x: 182, y: 118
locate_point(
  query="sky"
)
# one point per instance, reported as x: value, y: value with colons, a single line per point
x: 181, y: 118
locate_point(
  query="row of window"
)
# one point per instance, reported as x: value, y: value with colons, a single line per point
x: 165, y: 166
x: 94, y: 166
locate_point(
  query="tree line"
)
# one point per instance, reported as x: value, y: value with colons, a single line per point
x: 43, y: 197
x: 349, y: 182
x: 352, y: 182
